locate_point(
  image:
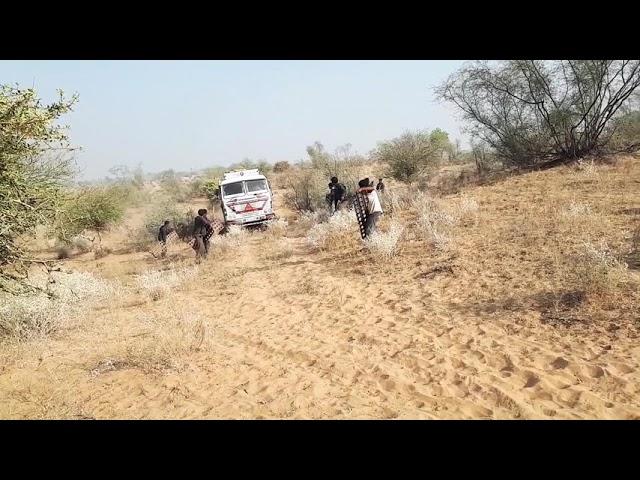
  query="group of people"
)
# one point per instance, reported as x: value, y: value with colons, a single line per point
x: 202, y: 230
x: 202, y: 227
x: 338, y: 192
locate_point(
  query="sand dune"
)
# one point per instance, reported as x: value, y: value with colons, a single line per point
x: 324, y: 335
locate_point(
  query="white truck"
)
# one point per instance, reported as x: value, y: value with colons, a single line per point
x: 246, y: 198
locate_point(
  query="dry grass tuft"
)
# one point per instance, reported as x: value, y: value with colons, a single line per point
x: 339, y: 232
x: 277, y: 250
x: 277, y: 228
x: 172, y: 335
x: 309, y: 219
x: 159, y: 283
x: 34, y: 316
x: 385, y: 245
x: 597, y: 269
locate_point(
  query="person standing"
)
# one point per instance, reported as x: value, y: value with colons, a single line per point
x: 374, y: 208
x: 338, y: 191
x: 201, y: 228
x: 329, y: 197
x: 163, y: 233
x: 380, y: 186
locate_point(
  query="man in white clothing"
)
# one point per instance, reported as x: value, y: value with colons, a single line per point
x: 374, y: 208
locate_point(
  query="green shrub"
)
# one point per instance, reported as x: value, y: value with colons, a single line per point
x: 413, y: 154
x: 33, y: 173
x: 181, y: 220
x: 91, y: 209
x: 210, y: 189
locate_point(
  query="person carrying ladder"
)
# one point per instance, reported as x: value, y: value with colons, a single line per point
x: 373, y: 207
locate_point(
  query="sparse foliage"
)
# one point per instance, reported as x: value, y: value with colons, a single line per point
x: 533, y: 111
x: 54, y: 307
x: 282, y: 166
x: 482, y: 157
x: 33, y: 172
x: 339, y: 229
x: 413, y: 154
x: 306, y: 189
x: 343, y: 163
x: 91, y: 209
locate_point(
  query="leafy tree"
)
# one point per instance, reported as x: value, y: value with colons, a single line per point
x: 92, y: 209
x: 210, y: 189
x: 34, y: 169
x: 534, y: 111
x: 413, y: 154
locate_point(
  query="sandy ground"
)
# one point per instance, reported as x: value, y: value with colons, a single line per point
x: 334, y: 335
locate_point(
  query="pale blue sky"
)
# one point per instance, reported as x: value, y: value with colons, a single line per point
x: 193, y: 114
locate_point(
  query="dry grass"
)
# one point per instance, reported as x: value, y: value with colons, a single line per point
x: 434, y: 223
x: 43, y: 403
x: 169, y: 337
x: 309, y: 219
x: 596, y: 269
x: 633, y: 256
x: 70, y: 294
x: 277, y: 228
x: 588, y: 169
x: 160, y: 283
x: 546, y: 247
x: 385, y: 245
x: 339, y: 232
x: 234, y: 239
x: 552, y: 234
x: 397, y: 200
x: 277, y: 250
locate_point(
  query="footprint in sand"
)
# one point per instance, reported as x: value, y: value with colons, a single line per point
x: 593, y: 371
x: 531, y: 379
x: 478, y: 356
x: 569, y: 397
x: 559, y: 363
x: 386, y: 384
x: 622, y: 368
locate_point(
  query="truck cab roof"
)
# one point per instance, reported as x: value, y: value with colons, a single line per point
x: 240, y: 175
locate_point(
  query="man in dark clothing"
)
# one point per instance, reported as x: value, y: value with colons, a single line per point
x: 380, y: 186
x: 163, y: 233
x: 329, y: 196
x: 338, y: 192
x: 201, y: 227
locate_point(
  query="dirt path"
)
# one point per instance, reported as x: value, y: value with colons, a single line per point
x: 303, y: 339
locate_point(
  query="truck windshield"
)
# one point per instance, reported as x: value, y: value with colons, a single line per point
x: 232, y: 188
x: 256, y: 185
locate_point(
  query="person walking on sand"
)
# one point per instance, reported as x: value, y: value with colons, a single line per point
x: 163, y: 233
x: 201, y: 228
x: 374, y: 209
